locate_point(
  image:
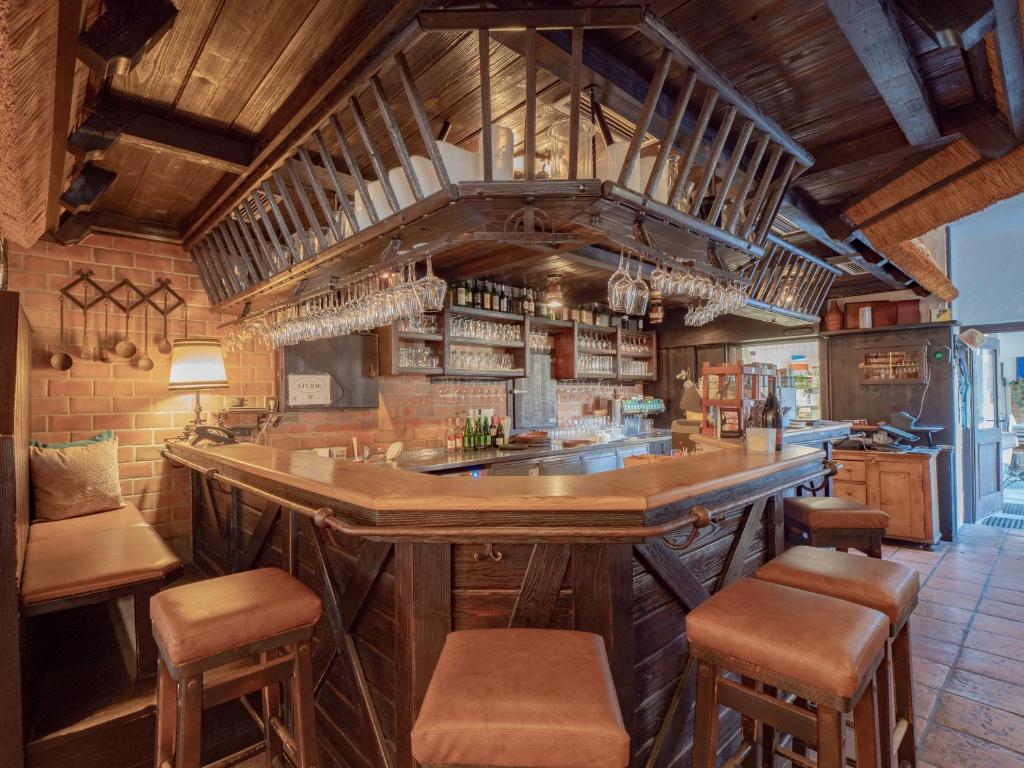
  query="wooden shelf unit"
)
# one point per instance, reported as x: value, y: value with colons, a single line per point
x: 742, y: 384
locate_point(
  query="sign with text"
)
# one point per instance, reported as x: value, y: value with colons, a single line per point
x: 309, y: 389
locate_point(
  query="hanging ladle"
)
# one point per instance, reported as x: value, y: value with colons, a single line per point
x: 164, y: 345
x: 87, y: 351
x: 104, y: 340
x: 125, y: 347
x: 145, y: 363
x: 61, y: 361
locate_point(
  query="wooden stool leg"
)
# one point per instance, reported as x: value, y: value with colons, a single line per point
x: 752, y: 732
x: 903, y: 693
x: 146, y: 652
x: 190, y: 718
x: 304, y: 705
x: 886, y: 711
x: 705, y: 739
x: 271, y: 709
x: 768, y: 737
x: 865, y: 716
x: 799, y: 747
x: 831, y: 732
x: 875, y: 545
x: 166, y: 715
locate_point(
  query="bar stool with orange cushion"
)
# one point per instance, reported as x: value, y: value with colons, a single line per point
x: 887, y: 587
x: 830, y: 521
x: 204, y: 626
x: 521, y: 697
x: 778, y: 638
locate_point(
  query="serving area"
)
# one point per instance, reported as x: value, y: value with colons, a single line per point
x: 401, y: 559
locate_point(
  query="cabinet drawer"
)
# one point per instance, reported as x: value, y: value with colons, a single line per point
x: 853, y: 491
x: 852, y: 471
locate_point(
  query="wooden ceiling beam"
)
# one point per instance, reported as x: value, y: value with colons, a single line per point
x: 952, y: 23
x: 123, y: 34
x: 1011, y: 60
x: 873, y: 31
x: 75, y: 227
x: 113, y: 122
x: 86, y: 188
x: 611, y: 17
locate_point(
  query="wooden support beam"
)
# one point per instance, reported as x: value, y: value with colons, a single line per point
x: 119, y: 38
x: 612, y: 17
x: 1011, y: 60
x: 86, y: 188
x: 952, y: 23
x: 874, y: 33
x: 111, y: 122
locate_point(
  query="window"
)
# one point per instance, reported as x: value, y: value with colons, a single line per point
x: 988, y: 389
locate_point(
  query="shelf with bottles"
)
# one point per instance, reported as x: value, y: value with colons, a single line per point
x: 892, y: 365
x: 728, y: 392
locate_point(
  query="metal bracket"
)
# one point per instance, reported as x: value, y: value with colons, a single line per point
x: 704, y: 519
x: 489, y: 553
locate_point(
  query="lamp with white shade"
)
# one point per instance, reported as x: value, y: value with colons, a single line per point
x: 196, y: 364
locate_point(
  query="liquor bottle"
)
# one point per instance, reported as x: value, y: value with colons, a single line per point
x: 467, y: 434
x: 494, y: 432
x: 503, y: 300
x: 478, y: 300
x: 449, y: 438
x: 485, y: 294
x: 499, y: 436
x: 772, y: 415
x: 481, y: 431
x: 517, y: 301
x: 460, y: 436
x: 460, y: 294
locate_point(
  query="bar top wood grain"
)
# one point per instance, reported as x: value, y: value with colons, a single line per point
x: 634, y: 489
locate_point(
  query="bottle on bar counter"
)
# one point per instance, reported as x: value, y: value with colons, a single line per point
x: 772, y: 415
x: 449, y: 437
x: 467, y: 434
x: 483, y: 435
x: 499, y: 435
x: 493, y: 433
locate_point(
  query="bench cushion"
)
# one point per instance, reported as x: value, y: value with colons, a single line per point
x: 196, y: 621
x: 69, y: 566
x: 515, y: 697
x: 125, y: 517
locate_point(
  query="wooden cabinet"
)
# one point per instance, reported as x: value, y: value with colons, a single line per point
x: 900, y: 484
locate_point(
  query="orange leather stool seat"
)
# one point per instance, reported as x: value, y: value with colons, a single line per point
x: 885, y: 586
x: 828, y: 644
x: 833, y: 512
x: 209, y: 617
x: 521, y: 697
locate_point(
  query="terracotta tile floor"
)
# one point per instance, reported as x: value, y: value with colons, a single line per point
x: 968, y: 645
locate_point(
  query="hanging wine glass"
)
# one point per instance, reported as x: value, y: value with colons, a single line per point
x: 432, y: 290
x: 641, y: 293
x: 620, y: 288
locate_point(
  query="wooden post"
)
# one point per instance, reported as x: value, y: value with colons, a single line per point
x: 668, y: 141
x: 371, y: 148
x: 644, y: 121
x: 395, y: 134
x: 353, y: 168
x: 575, y: 84
x: 696, y: 139
x: 422, y: 121
x: 530, y: 139
x: 486, y: 140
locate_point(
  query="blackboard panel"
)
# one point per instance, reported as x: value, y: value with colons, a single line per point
x: 350, y: 362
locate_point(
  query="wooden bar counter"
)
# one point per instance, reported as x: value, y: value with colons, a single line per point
x: 436, y: 554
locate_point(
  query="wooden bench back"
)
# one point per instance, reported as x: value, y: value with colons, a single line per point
x: 15, y: 429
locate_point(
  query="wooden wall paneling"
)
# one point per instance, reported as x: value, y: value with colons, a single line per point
x: 423, y: 599
x: 15, y: 419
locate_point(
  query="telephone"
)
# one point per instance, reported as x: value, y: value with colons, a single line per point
x: 213, y: 436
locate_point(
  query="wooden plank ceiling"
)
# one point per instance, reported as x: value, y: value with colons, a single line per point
x: 893, y: 98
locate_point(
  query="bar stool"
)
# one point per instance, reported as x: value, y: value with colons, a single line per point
x: 830, y: 521
x: 203, y: 626
x: 521, y: 697
x: 779, y: 638
x: 887, y: 587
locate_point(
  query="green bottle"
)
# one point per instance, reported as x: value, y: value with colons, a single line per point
x: 467, y: 434
x: 485, y: 433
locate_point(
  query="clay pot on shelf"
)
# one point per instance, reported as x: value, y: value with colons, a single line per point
x: 834, y: 317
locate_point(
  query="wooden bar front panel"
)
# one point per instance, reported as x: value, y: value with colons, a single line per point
x: 388, y: 607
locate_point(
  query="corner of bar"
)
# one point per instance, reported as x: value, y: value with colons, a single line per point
x: 560, y: 385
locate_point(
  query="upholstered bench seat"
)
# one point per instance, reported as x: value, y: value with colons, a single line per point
x: 521, y: 697
x: 125, y: 517
x: 86, y: 562
x: 833, y: 512
x: 827, y: 643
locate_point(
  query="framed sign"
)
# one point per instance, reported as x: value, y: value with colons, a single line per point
x: 309, y: 389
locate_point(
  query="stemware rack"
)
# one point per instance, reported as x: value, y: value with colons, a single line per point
x: 569, y: 349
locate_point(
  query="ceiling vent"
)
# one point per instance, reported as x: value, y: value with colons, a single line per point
x: 783, y: 227
x: 850, y: 267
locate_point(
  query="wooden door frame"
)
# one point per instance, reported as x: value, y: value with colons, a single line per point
x: 969, y: 461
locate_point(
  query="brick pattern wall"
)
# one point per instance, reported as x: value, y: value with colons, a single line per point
x: 94, y: 395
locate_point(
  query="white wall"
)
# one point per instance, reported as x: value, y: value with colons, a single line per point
x: 988, y: 264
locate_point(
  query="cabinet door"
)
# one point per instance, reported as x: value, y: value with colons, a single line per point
x: 897, y: 487
x: 853, y: 491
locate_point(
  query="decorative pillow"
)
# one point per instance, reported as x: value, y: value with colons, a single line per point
x: 75, y: 481
x: 100, y: 438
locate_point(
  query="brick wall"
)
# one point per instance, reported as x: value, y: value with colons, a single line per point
x: 94, y: 396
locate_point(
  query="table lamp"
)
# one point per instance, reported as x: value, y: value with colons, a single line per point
x: 196, y: 364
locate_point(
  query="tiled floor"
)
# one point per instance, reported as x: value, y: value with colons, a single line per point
x: 968, y: 645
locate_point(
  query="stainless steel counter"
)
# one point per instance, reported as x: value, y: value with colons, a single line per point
x: 440, y: 460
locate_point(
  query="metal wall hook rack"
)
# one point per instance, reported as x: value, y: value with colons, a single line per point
x: 124, y: 288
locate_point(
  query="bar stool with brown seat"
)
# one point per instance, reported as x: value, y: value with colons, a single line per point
x: 778, y: 638
x: 199, y: 628
x: 830, y: 521
x: 521, y: 697
x: 887, y: 587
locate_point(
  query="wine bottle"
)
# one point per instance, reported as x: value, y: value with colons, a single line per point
x: 499, y: 435
x: 486, y: 295
x: 467, y: 434
x: 460, y: 295
x: 493, y: 432
x: 772, y: 415
x: 478, y: 299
